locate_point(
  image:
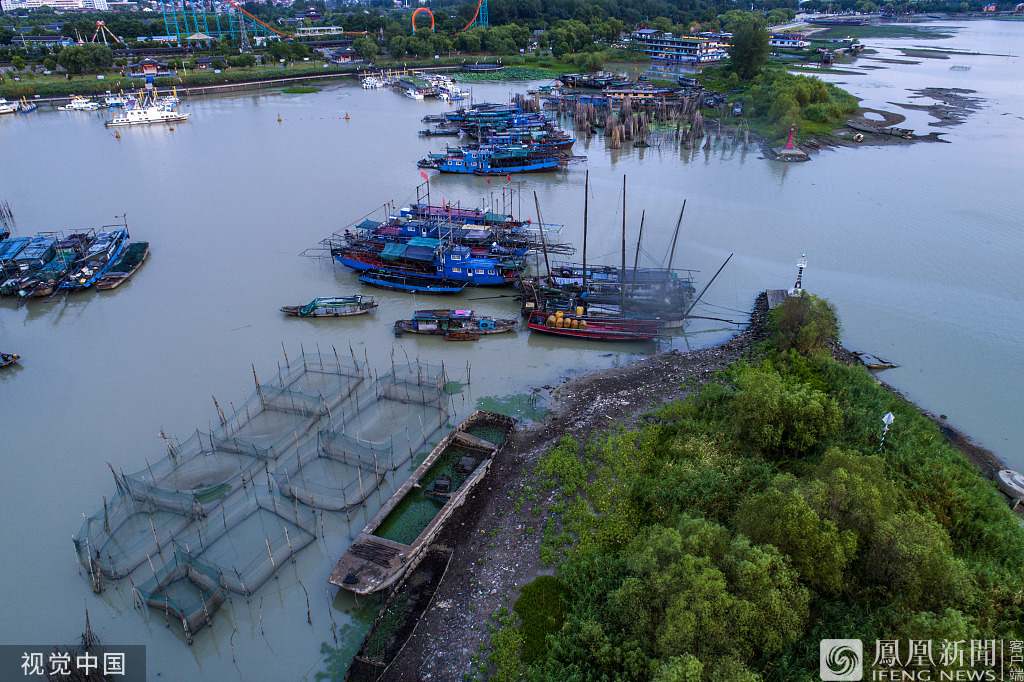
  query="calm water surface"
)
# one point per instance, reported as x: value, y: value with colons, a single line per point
x: 919, y: 246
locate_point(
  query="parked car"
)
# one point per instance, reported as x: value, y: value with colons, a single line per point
x: 737, y: 109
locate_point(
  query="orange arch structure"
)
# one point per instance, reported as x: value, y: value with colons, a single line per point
x: 475, y: 15
x: 422, y: 9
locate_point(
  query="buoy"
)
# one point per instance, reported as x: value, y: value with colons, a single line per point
x: 858, y: 137
x: 172, y: 127
x: 346, y: 115
x: 117, y: 134
x: 279, y: 118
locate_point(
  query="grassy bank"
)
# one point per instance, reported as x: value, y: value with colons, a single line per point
x: 739, y: 527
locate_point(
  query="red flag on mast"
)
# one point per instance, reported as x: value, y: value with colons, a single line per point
x: 508, y: 176
x: 423, y: 174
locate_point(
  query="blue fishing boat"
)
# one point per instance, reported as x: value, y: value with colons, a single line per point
x: 100, y: 255
x: 501, y: 160
x: 342, y: 306
x: 423, y: 257
x: 385, y: 279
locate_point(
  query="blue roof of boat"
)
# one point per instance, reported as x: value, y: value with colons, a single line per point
x: 426, y: 242
x: 10, y: 247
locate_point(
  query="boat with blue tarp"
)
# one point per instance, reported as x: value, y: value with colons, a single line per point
x: 97, y: 259
x: 338, y: 306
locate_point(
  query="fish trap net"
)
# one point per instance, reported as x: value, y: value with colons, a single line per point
x: 123, y: 535
x: 187, y: 590
x: 249, y: 540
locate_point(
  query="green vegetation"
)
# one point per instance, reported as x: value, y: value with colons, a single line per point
x: 300, y: 90
x: 776, y: 100
x: 917, y: 31
x: 758, y: 517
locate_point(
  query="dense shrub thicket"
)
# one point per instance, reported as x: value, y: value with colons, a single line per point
x: 758, y: 517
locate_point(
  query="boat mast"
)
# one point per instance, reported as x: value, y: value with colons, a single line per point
x: 672, y: 251
x: 543, y: 242
x: 622, y: 277
x: 636, y: 259
x: 586, y: 199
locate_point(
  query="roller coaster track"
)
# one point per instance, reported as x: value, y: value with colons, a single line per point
x: 292, y: 35
x: 472, y: 21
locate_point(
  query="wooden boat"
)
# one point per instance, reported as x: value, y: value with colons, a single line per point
x: 332, y: 307
x: 894, y: 131
x: 124, y: 267
x: 374, y: 561
x: 7, y: 359
x: 593, y: 328
x: 393, y: 281
x: 454, y: 323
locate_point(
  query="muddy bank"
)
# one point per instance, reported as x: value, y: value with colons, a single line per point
x: 950, y: 107
x: 496, y: 542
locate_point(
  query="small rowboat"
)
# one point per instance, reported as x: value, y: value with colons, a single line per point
x: 7, y: 359
x: 332, y: 307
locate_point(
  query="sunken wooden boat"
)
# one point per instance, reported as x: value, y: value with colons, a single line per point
x: 8, y: 359
x: 340, y: 306
x: 396, y: 538
x: 134, y: 255
x: 396, y: 281
x: 594, y: 328
x: 453, y: 324
x: 881, y: 130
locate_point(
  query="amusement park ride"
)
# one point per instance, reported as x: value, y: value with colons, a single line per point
x: 193, y: 21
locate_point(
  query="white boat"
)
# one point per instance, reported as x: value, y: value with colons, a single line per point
x: 118, y: 100
x: 79, y: 103
x: 7, y: 107
x: 372, y: 82
x: 141, y: 113
x: 414, y: 94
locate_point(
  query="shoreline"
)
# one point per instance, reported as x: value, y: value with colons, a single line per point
x: 496, y: 547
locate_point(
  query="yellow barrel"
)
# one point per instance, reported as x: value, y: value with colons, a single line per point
x: 579, y: 311
x: 558, y: 322
x: 559, y: 314
x: 551, y: 320
x: 575, y: 324
x: 583, y: 325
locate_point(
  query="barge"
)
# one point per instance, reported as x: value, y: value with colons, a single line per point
x: 397, y: 537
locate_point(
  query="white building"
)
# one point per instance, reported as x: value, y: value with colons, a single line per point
x: 59, y: 5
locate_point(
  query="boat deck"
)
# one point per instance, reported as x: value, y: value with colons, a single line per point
x: 373, y: 563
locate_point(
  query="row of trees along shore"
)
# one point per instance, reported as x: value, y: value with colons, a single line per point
x: 725, y: 539
x: 774, y: 100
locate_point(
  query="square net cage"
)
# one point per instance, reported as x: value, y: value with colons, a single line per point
x: 124, y: 534
x: 286, y: 408
x: 186, y: 590
x: 250, y: 539
x: 193, y: 478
